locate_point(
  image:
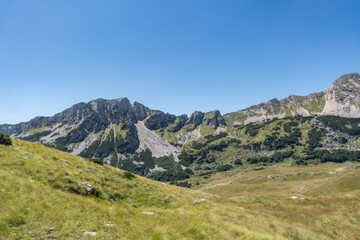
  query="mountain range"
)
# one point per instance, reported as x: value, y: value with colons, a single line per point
x: 167, y: 147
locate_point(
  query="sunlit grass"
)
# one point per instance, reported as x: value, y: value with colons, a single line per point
x: 42, y: 197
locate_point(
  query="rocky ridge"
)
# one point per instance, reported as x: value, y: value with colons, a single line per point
x: 341, y: 99
x: 161, y: 145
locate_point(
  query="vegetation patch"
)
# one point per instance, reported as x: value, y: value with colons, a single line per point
x: 5, y: 139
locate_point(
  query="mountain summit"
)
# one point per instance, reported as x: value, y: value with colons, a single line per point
x: 341, y: 99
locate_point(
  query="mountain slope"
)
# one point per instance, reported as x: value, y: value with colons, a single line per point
x: 122, y: 134
x: 166, y: 147
x: 49, y: 194
x: 341, y: 99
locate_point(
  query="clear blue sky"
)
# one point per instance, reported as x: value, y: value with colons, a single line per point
x: 175, y: 56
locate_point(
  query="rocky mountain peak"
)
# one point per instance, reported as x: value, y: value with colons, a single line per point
x: 349, y: 80
x: 341, y: 99
x: 196, y: 118
x: 214, y: 119
x: 117, y: 105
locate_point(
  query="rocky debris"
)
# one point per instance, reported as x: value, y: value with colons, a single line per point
x: 301, y: 188
x: 148, y: 213
x: 189, y: 136
x: 78, y: 148
x: 89, y: 188
x: 181, y: 213
x: 157, y: 169
x: 197, y: 201
x: 109, y: 224
x: 158, y: 145
x: 340, y: 169
x: 296, y: 197
x: 93, y: 234
x: 220, y: 130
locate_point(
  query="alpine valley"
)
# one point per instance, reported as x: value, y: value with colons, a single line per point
x: 287, y: 169
x: 298, y: 130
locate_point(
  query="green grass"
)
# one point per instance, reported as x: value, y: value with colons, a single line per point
x: 42, y: 197
x: 38, y: 130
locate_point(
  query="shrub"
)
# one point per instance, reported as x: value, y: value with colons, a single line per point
x: 259, y: 168
x: 185, y: 184
x: 253, y: 132
x: 238, y: 162
x: 275, y: 158
x: 348, y: 125
x: 186, y: 159
x: 96, y: 160
x: 211, y: 138
x: 5, y: 139
x: 129, y: 175
x: 224, y: 168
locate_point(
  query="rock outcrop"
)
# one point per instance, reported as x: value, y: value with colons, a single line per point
x: 341, y: 99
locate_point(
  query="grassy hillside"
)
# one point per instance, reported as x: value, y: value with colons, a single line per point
x: 48, y: 194
x: 303, y: 202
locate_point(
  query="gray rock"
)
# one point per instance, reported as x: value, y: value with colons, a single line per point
x: 89, y: 188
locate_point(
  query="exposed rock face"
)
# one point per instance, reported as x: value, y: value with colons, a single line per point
x: 158, y: 145
x: 95, y: 129
x: 120, y: 133
x: 93, y: 116
x: 212, y: 118
x: 195, y: 119
x: 159, y: 120
x: 341, y: 99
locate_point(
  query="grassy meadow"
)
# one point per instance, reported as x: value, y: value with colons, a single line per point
x: 45, y: 194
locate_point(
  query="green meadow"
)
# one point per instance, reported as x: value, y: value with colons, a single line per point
x: 49, y: 194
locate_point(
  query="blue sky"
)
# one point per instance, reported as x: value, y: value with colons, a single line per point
x: 175, y: 56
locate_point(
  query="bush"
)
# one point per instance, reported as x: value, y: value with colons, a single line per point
x: 96, y: 160
x: 238, y: 162
x: 338, y: 156
x: 5, y: 139
x: 211, y: 138
x: 129, y: 175
x: 275, y: 142
x: 348, y: 125
x: 253, y: 132
x: 186, y: 159
x: 185, y: 184
x: 315, y: 137
x: 224, y: 168
x: 275, y: 158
